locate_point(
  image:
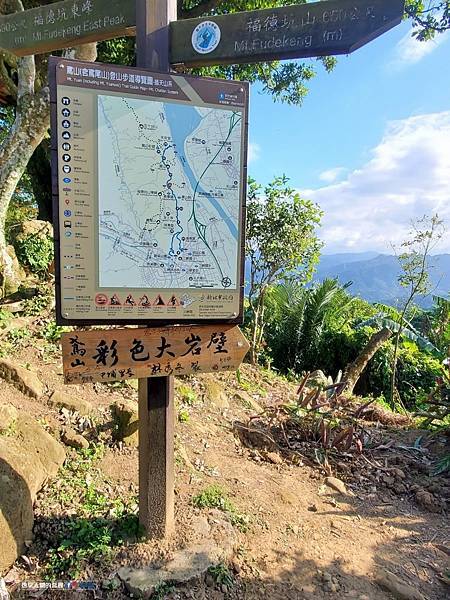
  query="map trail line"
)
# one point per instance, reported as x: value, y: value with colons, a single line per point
x: 164, y: 246
x: 200, y: 227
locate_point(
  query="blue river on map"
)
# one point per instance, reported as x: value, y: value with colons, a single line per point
x: 183, y: 121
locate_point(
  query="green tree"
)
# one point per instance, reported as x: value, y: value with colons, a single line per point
x: 298, y: 317
x: 429, y: 17
x: 281, y: 244
x: 425, y: 233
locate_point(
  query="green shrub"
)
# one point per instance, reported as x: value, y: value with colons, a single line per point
x: 35, y: 252
x: 416, y: 373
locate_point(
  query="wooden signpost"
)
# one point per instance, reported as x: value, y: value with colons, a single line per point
x: 65, y: 24
x: 113, y: 354
x: 298, y: 31
x: 155, y: 355
x: 301, y: 31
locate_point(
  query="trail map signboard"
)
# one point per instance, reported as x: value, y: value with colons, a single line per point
x: 150, y: 195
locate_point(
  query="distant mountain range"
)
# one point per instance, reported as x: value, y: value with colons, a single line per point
x: 375, y: 276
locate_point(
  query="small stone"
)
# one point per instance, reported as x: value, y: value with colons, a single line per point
x: 236, y: 566
x: 209, y: 580
x: 214, y: 392
x: 398, y: 473
x: 326, y: 576
x: 400, y: 488
x: 74, y: 440
x: 67, y: 402
x: 126, y: 423
x: 336, y: 484
x: 389, y: 481
x: 248, y: 401
x: 274, y: 458
x: 313, y: 508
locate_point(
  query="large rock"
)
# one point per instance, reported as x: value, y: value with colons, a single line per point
x: 400, y: 589
x: 126, y: 423
x: 33, y: 227
x: 26, y: 381
x: 188, y: 564
x: 11, y: 274
x: 28, y: 457
x: 8, y: 418
x: 65, y: 400
x: 214, y: 392
x: 319, y: 379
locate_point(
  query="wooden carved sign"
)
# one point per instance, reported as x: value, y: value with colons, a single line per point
x: 114, y: 354
x: 299, y: 31
x: 64, y: 24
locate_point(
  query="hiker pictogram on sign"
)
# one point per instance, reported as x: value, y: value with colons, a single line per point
x: 115, y: 300
x: 173, y: 302
x: 144, y: 301
x: 130, y: 301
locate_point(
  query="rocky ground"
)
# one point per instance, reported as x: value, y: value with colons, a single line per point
x: 371, y: 526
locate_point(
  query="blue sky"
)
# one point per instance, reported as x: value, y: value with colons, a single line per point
x: 371, y: 143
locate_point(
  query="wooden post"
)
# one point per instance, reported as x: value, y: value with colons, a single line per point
x: 156, y: 395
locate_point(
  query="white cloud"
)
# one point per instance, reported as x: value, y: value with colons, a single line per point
x: 254, y: 152
x: 407, y: 177
x: 332, y: 175
x: 410, y: 51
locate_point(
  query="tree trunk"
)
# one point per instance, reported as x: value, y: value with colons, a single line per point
x: 354, y: 369
x: 41, y: 180
x: 29, y: 128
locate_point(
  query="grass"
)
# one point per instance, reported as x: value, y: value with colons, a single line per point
x: 183, y: 416
x: 5, y: 317
x: 187, y: 395
x: 221, y: 575
x: 10, y: 430
x: 215, y: 497
x: 102, y: 523
x: 162, y: 590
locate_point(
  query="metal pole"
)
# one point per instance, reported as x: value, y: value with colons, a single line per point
x: 156, y: 395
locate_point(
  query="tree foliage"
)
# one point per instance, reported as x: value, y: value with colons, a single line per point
x: 281, y: 244
x: 429, y: 17
x: 298, y: 318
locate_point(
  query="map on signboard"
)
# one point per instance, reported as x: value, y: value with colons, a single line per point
x: 169, y: 194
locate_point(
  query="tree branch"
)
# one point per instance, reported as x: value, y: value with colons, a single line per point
x: 26, y: 73
x: 5, y: 80
x: 203, y: 7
